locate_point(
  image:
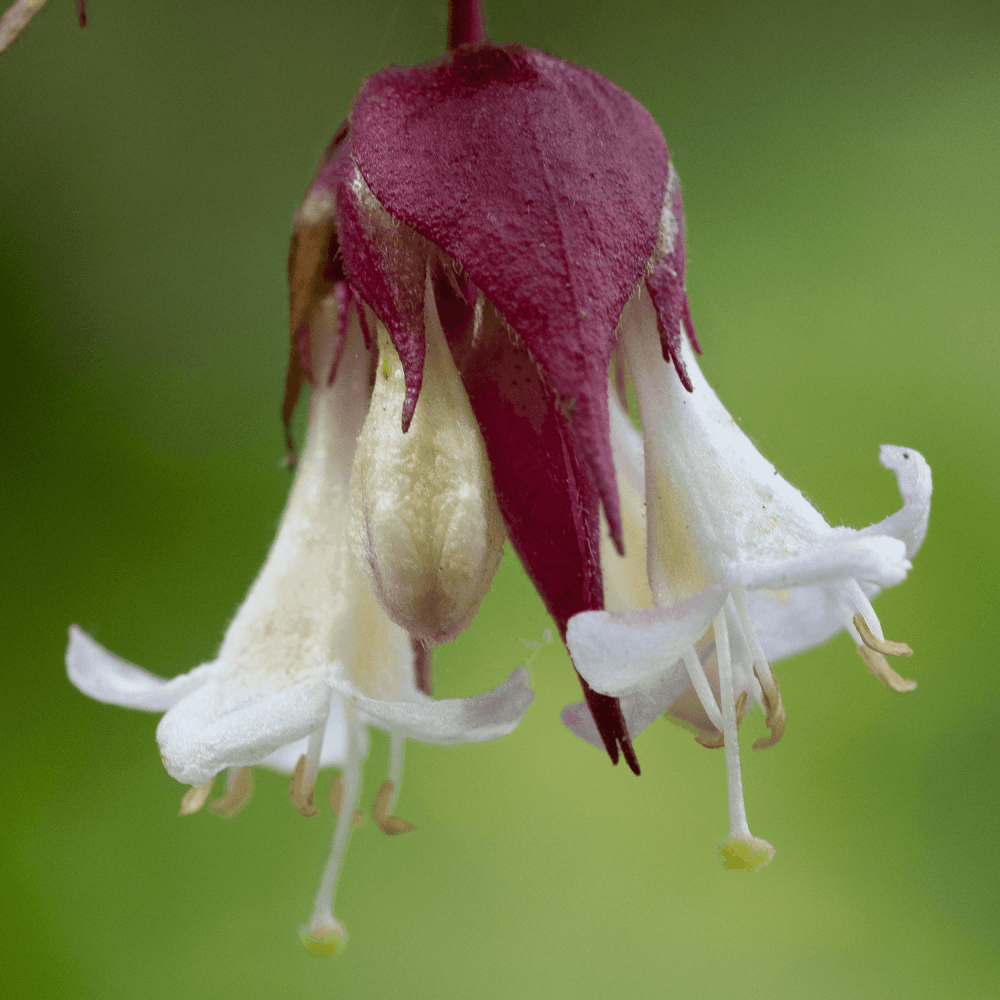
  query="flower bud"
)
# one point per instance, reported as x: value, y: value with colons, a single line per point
x: 425, y: 520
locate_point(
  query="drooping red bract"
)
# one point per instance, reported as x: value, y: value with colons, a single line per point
x: 540, y: 185
x: 545, y: 181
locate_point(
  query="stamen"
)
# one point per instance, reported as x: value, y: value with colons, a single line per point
x: 382, y: 808
x: 300, y: 788
x: 861, y: 602
x: 879, y: 645
x: 701, y: 686
x: 195, y: 797
x: 336, y: 794
x: 715, y: 740
x: 879, y: 667
x: 324, y: 934
x: 385, y: 801
x: 301, y: 799
x: 239, y: 788
x: 774, y: 711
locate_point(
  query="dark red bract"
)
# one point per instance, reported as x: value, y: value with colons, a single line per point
x: 515, y: 179
x: 545, y: 181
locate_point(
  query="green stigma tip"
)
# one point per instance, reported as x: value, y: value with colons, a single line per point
x: 745, y: 855
x: 322, y: 943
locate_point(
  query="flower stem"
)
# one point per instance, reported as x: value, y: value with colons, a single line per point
x: 465, y: 23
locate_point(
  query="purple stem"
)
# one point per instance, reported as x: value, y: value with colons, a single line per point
x: 465, y: 23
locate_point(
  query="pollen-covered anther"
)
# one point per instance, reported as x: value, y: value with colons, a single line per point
x: 323, y: 937
x: 299, y: 791
x: 195, y: 797
x: 745, y: 853
x: 774, y: 710
x: 882, y: 646
x: 879, y: 667
x: 239, y: 788
x: 336, y: 794
x: 382, y: 811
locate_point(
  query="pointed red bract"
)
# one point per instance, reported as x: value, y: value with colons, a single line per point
x: 532, y: 191
x: 547, y: 499
x: 666, y: 289
x: 545, y: 182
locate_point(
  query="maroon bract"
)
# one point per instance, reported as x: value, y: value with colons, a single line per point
x: 538, y: 197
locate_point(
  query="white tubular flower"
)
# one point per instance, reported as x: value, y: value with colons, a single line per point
x: 741, y: 569
x: 311, y: 660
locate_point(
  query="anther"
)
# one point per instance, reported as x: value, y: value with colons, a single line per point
x: 336, y: 794
x: 774, y: 710
x: 195, y: 797
x: 883, y: 646
x: 382, y: 809
x: 879, y: 667
x: 301, y: 796
x: 239, y: 788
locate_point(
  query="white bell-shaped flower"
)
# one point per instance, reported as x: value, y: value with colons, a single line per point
x: 741, y: 569
x: 310, y: 660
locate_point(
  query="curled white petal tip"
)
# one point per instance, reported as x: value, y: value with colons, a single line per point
x: 626, y: 652
x: 910, y: 466
x: 97, y: 672
x: 451, y: 721
x: 913, y: 478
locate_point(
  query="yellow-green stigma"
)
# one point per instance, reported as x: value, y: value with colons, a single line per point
x: 323, y: 938
x: 745, y: 854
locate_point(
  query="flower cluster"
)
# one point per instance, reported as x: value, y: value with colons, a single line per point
x: 486, y: 239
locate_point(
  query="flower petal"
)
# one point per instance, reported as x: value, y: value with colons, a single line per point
x: 639, y: 710
x: 548, y: 500
x: 713, y: 501
x: 879, y: 559
x: 100, y: 674
x: 224, y: 724
x: 450, y: 721
x: 624, y: 652
x: 913, y: 476
x: 334, y: 752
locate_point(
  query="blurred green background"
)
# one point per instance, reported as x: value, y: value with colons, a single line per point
x: 839, y: 163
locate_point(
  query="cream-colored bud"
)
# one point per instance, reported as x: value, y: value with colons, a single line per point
x: 425, y: 521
